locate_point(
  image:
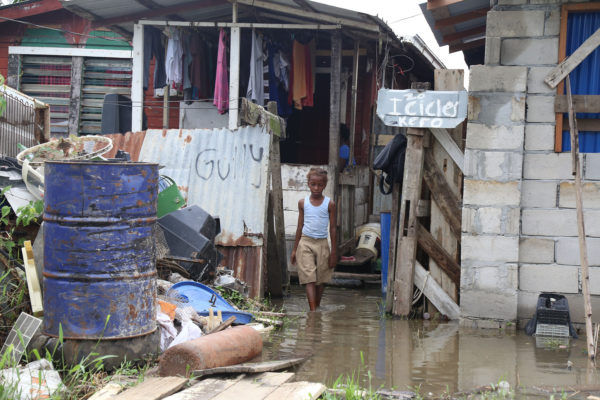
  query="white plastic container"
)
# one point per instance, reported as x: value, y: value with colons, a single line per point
x: 368, y: 235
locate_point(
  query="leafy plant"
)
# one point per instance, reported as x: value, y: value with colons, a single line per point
x: 349, y: 388
x: 2, y: 99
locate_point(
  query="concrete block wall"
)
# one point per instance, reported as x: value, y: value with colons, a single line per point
x: 519, y: 219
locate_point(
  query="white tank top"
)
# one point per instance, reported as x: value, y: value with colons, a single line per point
x: 316, y: 219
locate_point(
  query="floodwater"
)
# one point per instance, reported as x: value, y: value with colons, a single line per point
x: 350, y: 335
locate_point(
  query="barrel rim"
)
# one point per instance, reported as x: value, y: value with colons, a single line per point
x: 107, y: 162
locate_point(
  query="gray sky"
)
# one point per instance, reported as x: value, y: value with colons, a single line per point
x: 406, y: 19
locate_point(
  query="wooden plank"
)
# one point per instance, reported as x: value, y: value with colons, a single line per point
x: 234, y: 71
x: 434, y: 293
x: 587, y: 103
x: 298, y: 391
x: 75, y: 100
x: 334, y: 123
x: 68, y: 51
x: 434, y: 4
x: 137, y: 84
x: 442, y: 194
x: 435, y: 251
x: 353, y: 103
x: 407, y: 233
x: 363, y: 277
x: 33, y: 283
x: 13, y: 71
x: 251, y: 368
x: 153, y: 388
x: 585, y: 125
x: 255, y: 387
x: 205, y: 389
x: 107, y: 392
x: 451, y: 37
x: 453, y: 48
x: 570, y: 63
x: 423, y: 208
x: 455, y: 19
x: 443, y: 136
x: 585, y: 274
x: 29, y: 10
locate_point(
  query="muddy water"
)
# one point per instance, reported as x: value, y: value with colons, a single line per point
x: 439, y: 357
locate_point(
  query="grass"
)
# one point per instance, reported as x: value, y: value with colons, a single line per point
x: 349, y: 387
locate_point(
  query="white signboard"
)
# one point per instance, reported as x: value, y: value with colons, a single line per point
x: 421, y: 109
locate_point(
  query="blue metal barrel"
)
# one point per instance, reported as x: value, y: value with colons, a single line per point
x: 99, y: 266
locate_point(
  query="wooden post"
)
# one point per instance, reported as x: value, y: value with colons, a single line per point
x: 334, y: 116
x: 166, y: 96
x: 14, y: 71
x: 234, y: 71
x: 277, y: 188
x: 389, y: 297
x: 137, y: 81
x: 585, y: 275
x: 75, y: 101
x: 356, y: 58
x: 407, y: 223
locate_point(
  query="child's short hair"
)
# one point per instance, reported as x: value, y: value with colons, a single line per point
x: 320, y: 172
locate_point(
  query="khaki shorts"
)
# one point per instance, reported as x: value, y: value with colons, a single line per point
x: 312, y: 256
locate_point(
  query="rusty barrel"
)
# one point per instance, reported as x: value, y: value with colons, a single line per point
x: 99, y: 267
x: 229, y: 347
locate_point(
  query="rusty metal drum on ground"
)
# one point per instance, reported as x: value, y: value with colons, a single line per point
x: 99, y: 267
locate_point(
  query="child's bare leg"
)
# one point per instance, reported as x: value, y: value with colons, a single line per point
x: 311, y: 295
x: 320, y: 290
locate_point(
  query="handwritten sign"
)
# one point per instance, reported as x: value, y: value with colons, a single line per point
x: 421, y: 109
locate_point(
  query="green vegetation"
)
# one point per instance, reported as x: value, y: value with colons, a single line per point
x: 349, y: 387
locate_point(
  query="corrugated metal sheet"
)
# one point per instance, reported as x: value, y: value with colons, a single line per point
x: 585, y: 78
x: 130, y: 142
x: 226, y: 174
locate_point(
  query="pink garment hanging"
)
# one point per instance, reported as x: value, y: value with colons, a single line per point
x: 221, y: 96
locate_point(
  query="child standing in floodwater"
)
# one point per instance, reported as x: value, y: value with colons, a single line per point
x: 311, y: 251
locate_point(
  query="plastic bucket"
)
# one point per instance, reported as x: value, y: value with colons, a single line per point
x: 368, y: 235
x: 386, y: 223
x: 169, y: 197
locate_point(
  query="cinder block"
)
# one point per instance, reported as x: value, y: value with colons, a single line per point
x: 547, y: 166
x: 529, y: 51
x: 594, y: 280
x: 535, y: 80
x: 488, y: 305
x: 491, y: 193
x: 482, y: 220
x: 521, y: 23
x: 552, y: 23
x: 590, y: 191
x: 479, y: 250
x: 555, y: 222
x: 547, y: 1
x: 497, y: 108
x: 592, y: 227
x: 539, y: 137
x: 592, y: 166
x: 567, y: 251
x: 536, y: 251
x: 540, y: 109
x: 495, y: 137
x: 493, y: 165
x: 493, y: 278
x: 511, y: 2
x: 549, y: 278
x: 492, y: 50
x: 485, y: 78
x: 538, y: 194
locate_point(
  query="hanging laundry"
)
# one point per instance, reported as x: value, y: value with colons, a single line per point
x: 221, y: 94
x: 301, y: 77
x: 256, y: 90
x: 173, y: 63
x: 153, y: 47
x: 278, y: 80
x: 199, y: 72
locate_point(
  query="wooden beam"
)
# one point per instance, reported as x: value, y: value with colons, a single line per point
x: 407, y: 225
x: 234, y: 71
x: 455, y: 19
x: 442, y: 194
x: 441, y: 257
x: 75, y: 101
x: 585, y: 125
x: 345, y: 53
x: 443, y: 136
x: 432, y: 290
x: 453, y: 48
x: 334, y: 120
x: 307, y: 14
x: 353, y: 104
x: 137, y: 84
x: 570, y: 63
x: 305, y: 5
x: 433, y: 4
x: 33, y: 282
x: 19, y: 11
x: 451, y: 37
x: 587, y: 103
x: 180, y: 8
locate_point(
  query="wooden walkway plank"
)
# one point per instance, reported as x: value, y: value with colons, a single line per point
x: 251, y: 368
x: 107, y: 392
x: 255, y: 387
x: 434, y: 293
x: 153, y: 388
x: 205, y: 389
x: 298, y: 391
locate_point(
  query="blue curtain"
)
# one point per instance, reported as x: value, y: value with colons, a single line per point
x: 585, y: 79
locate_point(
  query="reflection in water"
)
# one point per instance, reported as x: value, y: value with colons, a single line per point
x: 439, y: 357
